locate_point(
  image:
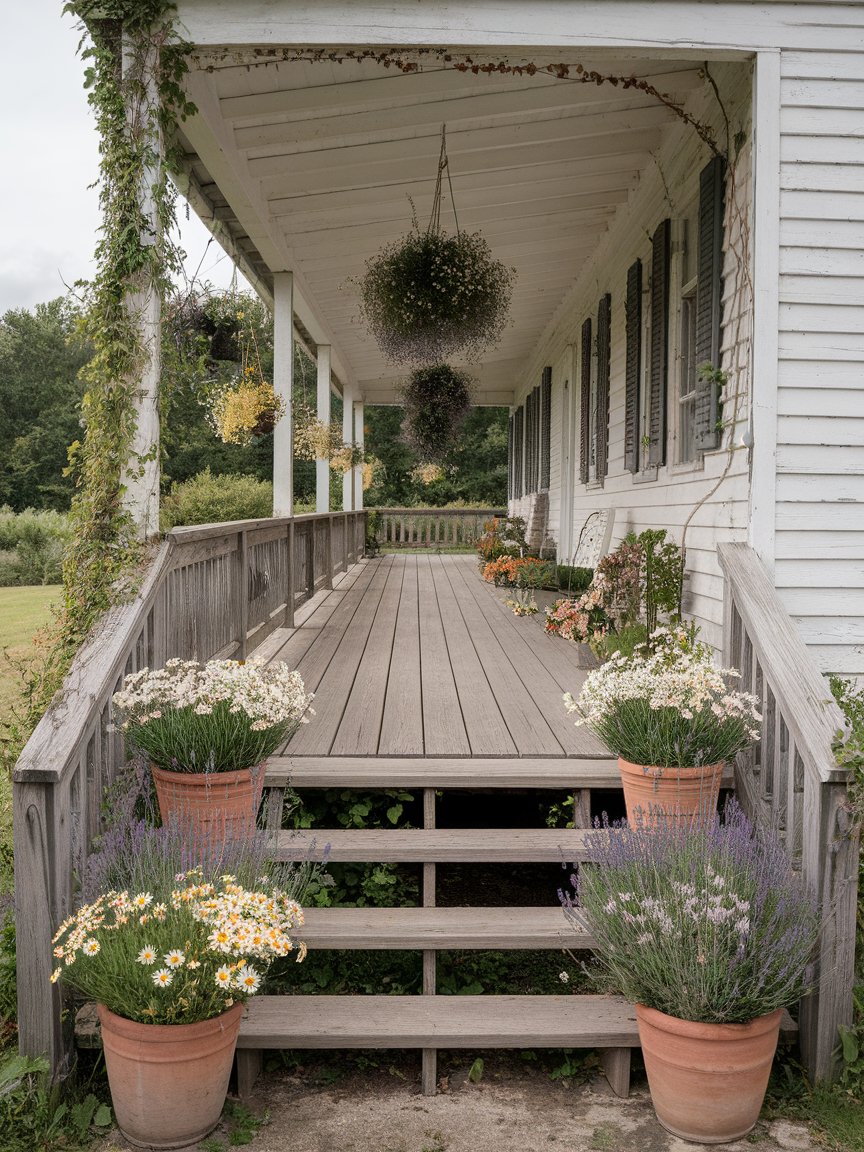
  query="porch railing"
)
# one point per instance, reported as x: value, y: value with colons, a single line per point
x: 790, y: 782
x: 432, y: 527
x: 213, y: 591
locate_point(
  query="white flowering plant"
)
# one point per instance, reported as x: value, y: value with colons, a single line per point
x: 667, y: 705
x: 708, y: 924
x: 178, y: 954
x: 220, y: 716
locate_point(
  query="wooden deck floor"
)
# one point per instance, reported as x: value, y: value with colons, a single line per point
x: 416, y: 656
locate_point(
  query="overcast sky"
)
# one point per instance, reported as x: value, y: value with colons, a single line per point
x: 49, y: 154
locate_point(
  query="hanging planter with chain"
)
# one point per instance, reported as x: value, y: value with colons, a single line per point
x: 430, y: 295
x: 436, y: 401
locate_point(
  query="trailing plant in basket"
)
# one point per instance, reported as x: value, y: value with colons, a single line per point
x: 215, y: 717
x: 436, y: 401
x: 668, y: 708
x: 707, y: 924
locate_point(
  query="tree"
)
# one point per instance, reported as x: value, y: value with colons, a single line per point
x: 41, y: 354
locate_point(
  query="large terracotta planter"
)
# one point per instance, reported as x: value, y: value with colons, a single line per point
x: 168, y: 1081
x: 683, y: 795
x: 707, y: 1081
x: 210, y: 807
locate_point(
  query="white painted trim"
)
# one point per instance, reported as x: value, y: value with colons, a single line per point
x: 283, y: 381
x: 766, y: 305
x: 360, y: 441
x: 348, y: 436
x: 322, y: 467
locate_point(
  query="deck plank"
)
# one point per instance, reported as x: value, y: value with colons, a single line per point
x: 435, y: 845
x: 444, y: 731
x: 402, y: 723
x: 487, y: 732
x: 539, y: 684
x: 360, y: 727
x: 334, y: 686
x: 526, y: 723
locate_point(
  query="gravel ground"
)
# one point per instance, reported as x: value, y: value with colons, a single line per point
x: 509, y: 1110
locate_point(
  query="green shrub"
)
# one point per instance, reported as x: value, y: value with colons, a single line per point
x: 31, y: 546
x: 209, y: 499
x: 574, y: 581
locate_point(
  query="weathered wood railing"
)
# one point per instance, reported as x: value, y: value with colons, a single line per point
x: 790, y: 782
x: 213, y: 591
x: 432, y: 527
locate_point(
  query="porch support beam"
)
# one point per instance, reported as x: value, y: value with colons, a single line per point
x: 322, y: 466
x: 359, y: 440
x: 140, y: 477
x: 348, y: 437
x: 283, y: 379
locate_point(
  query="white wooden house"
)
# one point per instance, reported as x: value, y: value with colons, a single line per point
x: 304, y: 161
x: 675, y: 182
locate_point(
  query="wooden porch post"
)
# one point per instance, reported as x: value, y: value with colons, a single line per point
x: 283, y: 379
x: 348, y: 437
x: 141, y: 475
x: 359, y: 440
x: 322, y: 467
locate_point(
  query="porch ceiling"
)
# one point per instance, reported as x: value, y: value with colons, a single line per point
x: 309, y: 167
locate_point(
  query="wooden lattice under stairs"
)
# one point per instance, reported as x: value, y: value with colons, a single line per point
x: 432, y: 1021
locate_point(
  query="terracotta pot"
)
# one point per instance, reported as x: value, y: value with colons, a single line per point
x: 168, y: 1081
x: 707, y: 1081
x: 683, y: 795
x: 210, y: 807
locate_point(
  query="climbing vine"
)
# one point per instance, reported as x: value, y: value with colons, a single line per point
x: 134, y: 66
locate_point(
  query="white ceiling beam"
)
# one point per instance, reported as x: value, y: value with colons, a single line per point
x: 726, y: 27
x: 481, y: 111
x: 462, y: 147
x: 209, y: 137
x: 592, y: 175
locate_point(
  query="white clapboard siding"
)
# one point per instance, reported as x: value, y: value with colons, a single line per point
x: 668, y: 501
x: 820, y: 403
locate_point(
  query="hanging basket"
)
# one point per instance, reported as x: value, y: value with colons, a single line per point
x: 245, y: 409
x: 436, y: 400
x: 432, y: 294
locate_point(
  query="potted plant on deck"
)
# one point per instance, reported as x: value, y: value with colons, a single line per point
x: 170, y: 968
x: 673, y: 721
x: 710, y: 932
x: 207, y: 730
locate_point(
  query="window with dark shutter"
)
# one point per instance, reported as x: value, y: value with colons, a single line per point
x: 632, y: 368
x: 659, y: 344
x: 518, y: 451
x: 510, y: 458
x: 585, y: 404
x: 546, y: 429
x: 604, y: 357
x: 708, y: 302
x: 529, y: 443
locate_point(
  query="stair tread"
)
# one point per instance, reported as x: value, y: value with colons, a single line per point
x: 444, y: 772
x: 434, y: 845
x: 443, y: 1022
x: 438, y: 1022
x: 441, y: 928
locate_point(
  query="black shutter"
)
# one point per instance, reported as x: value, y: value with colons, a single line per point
x: 632, y: 373
x: 585, y: 404
x: 510, y: 458
x: 529, y: 443
x: 535, y: 440
x: 659, y: 344
x: 518, y: 451
x: 604, y: 357
x: 709, y: 288
x: 546, y: 430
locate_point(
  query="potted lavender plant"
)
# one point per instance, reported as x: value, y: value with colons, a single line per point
x: 710, y: 933
x: 673, y: 720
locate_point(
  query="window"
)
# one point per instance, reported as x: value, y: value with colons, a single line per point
x: 595, y: 362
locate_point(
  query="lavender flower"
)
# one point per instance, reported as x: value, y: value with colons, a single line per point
x: 709, y: 924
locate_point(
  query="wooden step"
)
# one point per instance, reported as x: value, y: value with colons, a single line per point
x: 422, y: 772
x: 438, y: 1022
x: 434, y: 845
x: 441, y: 928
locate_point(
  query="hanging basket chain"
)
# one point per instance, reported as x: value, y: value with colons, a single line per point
x: 443, y: 166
